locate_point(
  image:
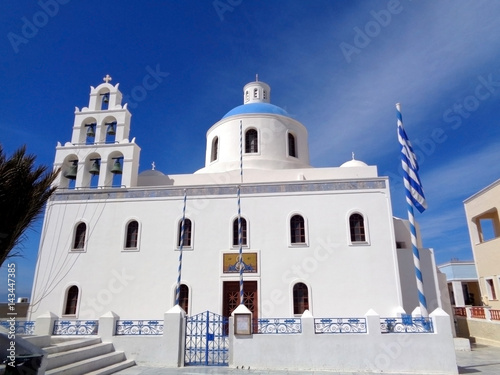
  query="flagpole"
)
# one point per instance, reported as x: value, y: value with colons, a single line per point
x: 240, y: 233
x: 181, y: 245
x: 416, y: 262
x: 414, y: 197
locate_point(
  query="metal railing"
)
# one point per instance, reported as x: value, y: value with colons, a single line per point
x: 138, y: 327
x: 21, y: 327
x: 340, y: 325
x: 75, y: 327
x: 406, y: 324
x: 278, y: 326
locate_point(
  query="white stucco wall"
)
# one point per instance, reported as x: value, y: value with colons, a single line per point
x: 343, y: 278
x: 272, y: 131
x: 350, y: 353
x: 409, y: 283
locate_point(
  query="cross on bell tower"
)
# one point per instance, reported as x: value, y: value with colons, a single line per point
x: 107, y: 78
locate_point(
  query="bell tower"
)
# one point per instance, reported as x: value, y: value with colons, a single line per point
x: 99, y: 154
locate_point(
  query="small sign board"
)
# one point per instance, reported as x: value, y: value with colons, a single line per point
x: 242, y: 324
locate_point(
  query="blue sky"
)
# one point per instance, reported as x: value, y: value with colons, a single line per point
x: 339, y: 67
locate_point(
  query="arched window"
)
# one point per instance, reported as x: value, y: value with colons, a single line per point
x: 79, y: 241
x: 215, y: 149
x: 255, y: 93
x: 184, y: 297
x: 243, y: 232
x: 251, y: 141
x: 187, y: 233
x: 297, y: 229
x: 71, y: 301
x: 291, y: 145
x: 300, y: 298
x: 132, y: 235
x: 357, y: 227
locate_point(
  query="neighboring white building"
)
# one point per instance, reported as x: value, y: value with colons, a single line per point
x: 462, y: 282
x: 317, y: 239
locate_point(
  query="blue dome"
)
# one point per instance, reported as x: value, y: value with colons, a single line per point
x: 257, y: 108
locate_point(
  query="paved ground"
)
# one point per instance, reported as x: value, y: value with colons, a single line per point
x: 482, y: 360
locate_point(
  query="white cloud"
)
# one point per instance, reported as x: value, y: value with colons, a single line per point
x: 417, y: 59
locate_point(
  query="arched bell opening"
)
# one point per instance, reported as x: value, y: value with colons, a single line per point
x: 110, y: 131
x: 92, y: 170
x: 107, y: 130
x: 90, y: 129
x: 114, y: 170
x: 86, y: 132
x: 104, y: 99
x: 69, y: 172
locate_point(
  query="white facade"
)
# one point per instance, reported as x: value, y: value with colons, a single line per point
x: 317, y: 239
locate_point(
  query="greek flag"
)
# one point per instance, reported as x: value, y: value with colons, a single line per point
x: 414, y: 190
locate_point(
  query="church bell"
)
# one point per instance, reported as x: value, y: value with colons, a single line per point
x: 71, y: 173
x: 117, y: 168
x: 94, y: 169
x: 90, y: 131
x: 111, y: 128
x: 105, y: 98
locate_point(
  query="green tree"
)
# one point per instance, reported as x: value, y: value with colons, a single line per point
x: 24, y: 190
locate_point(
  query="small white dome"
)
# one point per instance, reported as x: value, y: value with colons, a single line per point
x: 151, y: 172
x: 354, y: 163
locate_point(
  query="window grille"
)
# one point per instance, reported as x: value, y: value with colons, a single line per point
x: 251, y: 141
x: 243, y: 232
x: 297, y: 229
x: 357, y: 226
x: 187, y: 233
x: 291, y: 145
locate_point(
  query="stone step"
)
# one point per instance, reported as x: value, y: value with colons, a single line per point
x: 89, y: 365
x: 60, y: 345
x: 113, y: 368
x: 61, y: 359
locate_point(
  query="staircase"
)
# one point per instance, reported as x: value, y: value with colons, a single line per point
x: 88, y: 355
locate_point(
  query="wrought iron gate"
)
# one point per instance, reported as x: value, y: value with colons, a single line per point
x: 206, y: 340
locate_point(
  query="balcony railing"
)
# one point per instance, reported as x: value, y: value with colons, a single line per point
x: 460, y: 311
x: 495, y: 314
x: 477, y: 312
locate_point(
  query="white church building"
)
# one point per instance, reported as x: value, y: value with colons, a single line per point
x: 316, y: 244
